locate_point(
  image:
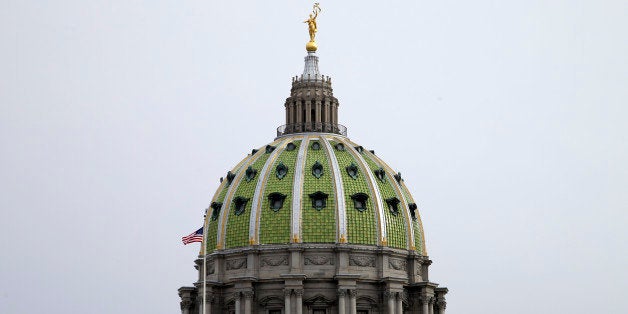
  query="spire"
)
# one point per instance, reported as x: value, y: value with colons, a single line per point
x: 310, y: 71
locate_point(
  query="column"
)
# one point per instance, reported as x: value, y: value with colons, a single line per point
x: 353, y: 295
x: 299, y: 119
x: 186, y: 305
x: 399, y: 303
x: 327, y: 121
x: 237, y: 302
x: 391, y: 301
x: 431, y: 305
x: 299, y: 294
x: 287, y: 293
x: 442, y: 304
x: 248, y: 296
x: 425, y: 301
x: 308, y: 112
x: 341, y: 302
x: 318, y: 116
x: 208, y: 303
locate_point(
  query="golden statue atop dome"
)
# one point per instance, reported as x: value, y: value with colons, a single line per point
x: 311, y: 23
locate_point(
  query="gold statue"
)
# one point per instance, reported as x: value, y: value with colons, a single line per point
x: 311, y: 23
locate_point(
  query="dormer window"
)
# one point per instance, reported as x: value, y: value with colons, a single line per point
x: 340, y: 147
x: 230, y: 177
x: 393, y: 205
x: 250, y: 173
x: 316, y: 146
x: 319, y: 200
x: 360, y: 149
x: 372, y: 151
x: 290, y: 147
x: 275, y: 200
x: 281, y: 171
x: 215, y: 206
x: 398, y: 177
x: 412, y: 207
x: 317, y: 170
x: 253, y: 151
x: 269, y: 149
x: 352, y: 171
x: 240, y: 205
x: 380, y: 174
x: 359, y: 201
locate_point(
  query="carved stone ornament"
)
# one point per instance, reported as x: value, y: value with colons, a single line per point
x: 210, y: 267
x: 236, y: 263
x: 362, y: 261
x: 186, y: 304
x: 318, y: 260
x: 248, y: 294
x: 269, y: 261
x: 419, y: 270
x: 397, y: 264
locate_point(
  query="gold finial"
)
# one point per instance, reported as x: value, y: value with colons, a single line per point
x: 311, y: 23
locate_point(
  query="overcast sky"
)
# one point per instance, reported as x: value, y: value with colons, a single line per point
x: 507, y: 120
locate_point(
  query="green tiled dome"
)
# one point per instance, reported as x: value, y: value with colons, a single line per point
x: 313, y: 188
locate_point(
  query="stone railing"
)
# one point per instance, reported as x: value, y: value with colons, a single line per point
x: 312, y: 127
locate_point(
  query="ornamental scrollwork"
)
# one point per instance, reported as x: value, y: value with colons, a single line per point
x: 362, y: 261
x: 319, y: 260
x: 236, y: 263
x: 269, y: 261
x: 397, y: 264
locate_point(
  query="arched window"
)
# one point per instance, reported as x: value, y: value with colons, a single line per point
x: 275, y: 200
x: 319, y: 200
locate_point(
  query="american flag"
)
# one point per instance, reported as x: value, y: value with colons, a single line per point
x: 196, y: 236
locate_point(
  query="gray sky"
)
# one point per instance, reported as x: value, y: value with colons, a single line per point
x: 506, y: 118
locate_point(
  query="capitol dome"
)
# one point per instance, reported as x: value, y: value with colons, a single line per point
x: 313, y: 188
x: 312, y: 223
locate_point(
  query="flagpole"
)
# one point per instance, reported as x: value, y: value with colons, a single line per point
x: 204, y: 250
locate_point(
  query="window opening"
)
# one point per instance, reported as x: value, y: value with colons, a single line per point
x: 250, y: 173
x: 359, y: 201
x: 316, y: 145
x: 412, y: 207
x: 319, y: 200
x: 215, y: 206
x: 393, y: 205
x: 281, y: 171
x: 352, y: 171
x: 380, y: 174
x: 317, y: 170
x: 240, y: 205
x: 276, y: 201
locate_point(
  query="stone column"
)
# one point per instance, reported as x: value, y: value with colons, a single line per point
x: 431, y: 305
x: 308, y: 112
x: 442, y: 304
x: 287, y: 294
x: 186, y: 305
x: 248, y: 296
x: 353, y: 295
x: 299, y: 119
x: 425, y: 301
x: 237, y: 302
x: 341, y: 301
x: 299, y: 301
x: 318, y: 116
x: 390, y: 296
x: 399, y: 303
